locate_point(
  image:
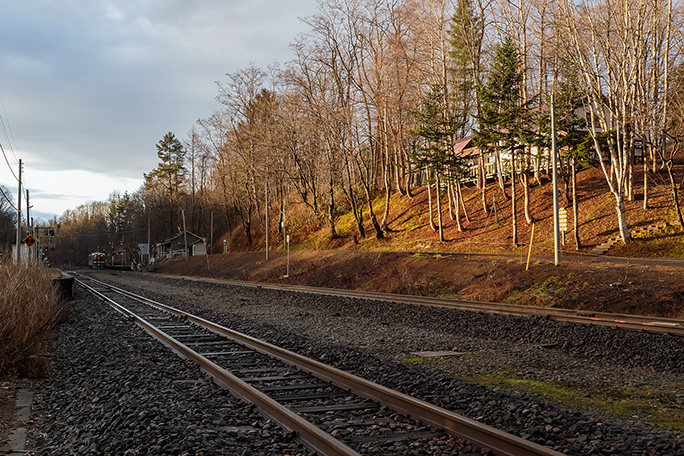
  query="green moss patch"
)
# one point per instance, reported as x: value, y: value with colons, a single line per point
x: 624, y: 403
x: 544, y: 294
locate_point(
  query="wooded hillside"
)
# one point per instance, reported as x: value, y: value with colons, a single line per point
x: 361, y: 125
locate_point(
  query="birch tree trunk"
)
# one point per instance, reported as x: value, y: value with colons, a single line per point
x: 575, y: 206
x: 450, y: 199
x: 428, y: 187
x: 440, y: 222
x: 514, y: 217
x: 526, y: 191
x: 483, y: 189
x: 500, y: 172
x: 457, y: 201
x: 462, y: 200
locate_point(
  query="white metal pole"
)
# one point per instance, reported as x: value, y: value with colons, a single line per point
x: 287, y: 273
x: 554, y: 165
x: 266, y: 198
x: 282, y: 225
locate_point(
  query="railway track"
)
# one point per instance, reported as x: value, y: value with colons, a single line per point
x: 625, y: 321
x: 332, y: 412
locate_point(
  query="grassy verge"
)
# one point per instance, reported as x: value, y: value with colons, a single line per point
x: 626, y: 402
x: 29, y: 308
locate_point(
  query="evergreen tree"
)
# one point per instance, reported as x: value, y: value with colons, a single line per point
x: 170, y: 172
x: 167, y: 179
x: 437, y: 127
x: 466, y: 32
x: 503, y: 123
x: 119, y: 217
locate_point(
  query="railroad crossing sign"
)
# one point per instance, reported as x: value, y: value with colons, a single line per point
x: 563, y: 219
x: 29, y: 241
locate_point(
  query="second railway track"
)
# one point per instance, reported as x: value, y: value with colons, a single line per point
x: 331, y: 411
x: 653, y: 324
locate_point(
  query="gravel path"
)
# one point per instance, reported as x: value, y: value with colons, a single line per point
x: 372, y: 339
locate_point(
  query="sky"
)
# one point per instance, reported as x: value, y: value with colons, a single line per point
x: 89, y: 87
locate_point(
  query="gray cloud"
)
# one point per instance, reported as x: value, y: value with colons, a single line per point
x: 93, y: 85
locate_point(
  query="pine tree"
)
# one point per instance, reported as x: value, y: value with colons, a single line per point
x: 170, y: 172
x: 168, y: 177
x: 437, y: 128
x: 503, y: 123
x: 503, y: 119
x: 466, y: 32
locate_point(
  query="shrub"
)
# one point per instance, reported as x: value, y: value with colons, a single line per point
x: 29, y: 308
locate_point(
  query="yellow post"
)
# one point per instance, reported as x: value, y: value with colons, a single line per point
x: 529, y: 252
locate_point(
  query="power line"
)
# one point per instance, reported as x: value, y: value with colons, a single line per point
x: 8, y: 200
x: 7, y: 129
x: 137, y: 230
x: 8, y: 163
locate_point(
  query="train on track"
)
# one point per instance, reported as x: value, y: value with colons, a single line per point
x: 96, y: 260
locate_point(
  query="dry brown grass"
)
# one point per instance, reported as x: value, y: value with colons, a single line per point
x: 411, y: 229
x: 29, y: 308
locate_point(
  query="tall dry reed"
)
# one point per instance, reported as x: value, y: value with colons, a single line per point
x: 29, y: 309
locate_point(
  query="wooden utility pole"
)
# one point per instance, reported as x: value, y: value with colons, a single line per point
x: 28, y: 217
x: 18, y: 256
x: 149, y: 247
x: 29, y: 254
x: 185, y: 234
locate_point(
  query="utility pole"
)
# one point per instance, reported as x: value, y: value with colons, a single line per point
x: 185, y: 234
x: 211, y: 234
x: 18, y: 257
x: 554, y: 164
x: 266, y: 195
x: 28, y: 226
x: 27, y: 209
x: 149, y: 247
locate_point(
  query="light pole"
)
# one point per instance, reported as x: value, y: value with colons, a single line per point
x: 287, y: 271
x: 282, y: 226
x: 554, y: 165
x: 266, y: 198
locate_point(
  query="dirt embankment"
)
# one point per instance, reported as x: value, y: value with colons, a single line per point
x: 596, y: 284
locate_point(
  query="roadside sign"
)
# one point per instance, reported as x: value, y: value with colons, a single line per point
x: 563, y: 219
x: 29, y: 240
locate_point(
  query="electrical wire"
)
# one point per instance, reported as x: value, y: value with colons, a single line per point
x: 8, y: 200
x: 90, y: 235
x: 7, y: 129
x: 8, y: 163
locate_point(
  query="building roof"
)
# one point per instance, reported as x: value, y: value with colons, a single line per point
x: 464, y: 147
x: 463, y: 144
x: 194, y: 238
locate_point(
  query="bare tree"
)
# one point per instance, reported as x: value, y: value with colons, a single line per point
x: 611, y: 43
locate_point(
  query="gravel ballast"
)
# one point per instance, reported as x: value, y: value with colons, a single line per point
x: 117, y: 391
x: 370, y: 338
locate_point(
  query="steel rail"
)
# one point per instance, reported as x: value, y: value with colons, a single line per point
x: 481, y: 435
x: 310, y: 435
x: 632, y: 322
